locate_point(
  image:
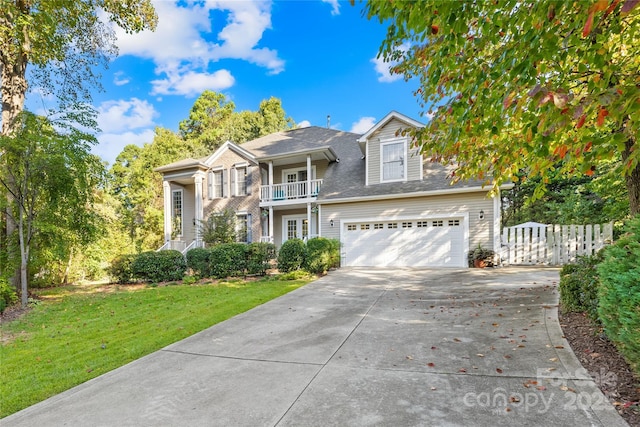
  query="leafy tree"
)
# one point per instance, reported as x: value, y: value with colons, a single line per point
x: 64, y: 40
x: 213, y: 121
x: 219, y: 228
x: 522, y: 86
x: 50, y: 177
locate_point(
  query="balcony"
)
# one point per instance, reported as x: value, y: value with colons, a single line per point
x: 293, y: 191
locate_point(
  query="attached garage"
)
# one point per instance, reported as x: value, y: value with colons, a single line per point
x: 406, y: 242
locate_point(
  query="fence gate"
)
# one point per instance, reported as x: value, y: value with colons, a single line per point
x: 552, y: 244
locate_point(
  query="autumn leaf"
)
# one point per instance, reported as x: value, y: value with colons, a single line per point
x: 587, y: 26
x: 434, y: 29
x: 628, y: 5
x: 601, y: 115
x: 599, y: 6
x: 498, y: 370
x: 431, y: 364
x: 581, y: 121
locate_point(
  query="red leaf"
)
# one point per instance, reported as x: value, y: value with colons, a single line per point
x: 587, y: 26
x: 434, y: 29
x: 431, y: 364
x: 498, y: 370
x: 581, y: 121
x: 588, y: 146
x: 628, y: 5
x: 601, y: 115
x: 463, y: 370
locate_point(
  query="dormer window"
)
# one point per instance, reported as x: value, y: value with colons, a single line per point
x: 393, y: 160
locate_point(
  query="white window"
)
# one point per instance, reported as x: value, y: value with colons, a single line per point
x: 352, y: 227
x: 438, y: 223
x: 454, y: 222
x: 241, y: 181
x: 422, y: 224
x: 176, y: 213
x: 407, y: 224
x: 378, y: 226
x: 393, y: 161
x: 216, y: 184
x: 364, y: 226
x: 392, y: 225
x: 243, y: 228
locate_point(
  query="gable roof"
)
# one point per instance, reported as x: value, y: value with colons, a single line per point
x: 229, y: 146
x: 386, y: 119
x: 183, y: 164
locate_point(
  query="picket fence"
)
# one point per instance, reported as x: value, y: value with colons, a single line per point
x: 552, y: 244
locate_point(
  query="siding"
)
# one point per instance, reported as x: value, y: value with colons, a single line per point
x: 320, y: 167
x: 480, y: 231
x: 373, y: 158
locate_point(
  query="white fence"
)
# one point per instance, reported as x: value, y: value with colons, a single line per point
x: 552, y: 244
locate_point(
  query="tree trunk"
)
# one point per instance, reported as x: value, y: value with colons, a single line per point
x: 632, y: 179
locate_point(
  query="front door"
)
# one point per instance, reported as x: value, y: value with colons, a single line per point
x: 294, y: 227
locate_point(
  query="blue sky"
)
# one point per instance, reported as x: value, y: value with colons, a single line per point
x: 318, y: 57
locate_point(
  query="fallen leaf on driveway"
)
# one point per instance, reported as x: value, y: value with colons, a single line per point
x: 409, y: 358
x: 498, y: 370
x: 457, y: 339
x: 553, y: 359
x: 480, y: 355
x: 431, y: 364
x: 463, y: 370
x: 559, y: 346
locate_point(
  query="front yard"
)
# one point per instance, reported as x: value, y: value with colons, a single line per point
x: 76, y: 333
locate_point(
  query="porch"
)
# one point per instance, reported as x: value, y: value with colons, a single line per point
x: 291, y: 191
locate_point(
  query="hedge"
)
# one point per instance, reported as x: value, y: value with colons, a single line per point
x: 292, y: 255
x: 161, y: 266
x: 198, y: 260
x: 321, y: 255
x: 579, y: 285
x: 227, y: 260
x: 619, y: 293
x: 121, y: 270
x: 259, y: 256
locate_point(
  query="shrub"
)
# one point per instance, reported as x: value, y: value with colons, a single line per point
x: 8, y: 295
x: 219, y: 227
x: 120, y: 270
x: 292, y: 255
x: 258, y: 257
x: 619, y: 293
x: 227, y: 259
x: 198, y: 260
x: 579, y: 285
x: 322, y: 254
x: 162, y: 266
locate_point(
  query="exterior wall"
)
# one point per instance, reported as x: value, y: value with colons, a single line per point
x: 480, y: 231
x: 388, y: 132
x: 249, y: 204
x: 188, y: 209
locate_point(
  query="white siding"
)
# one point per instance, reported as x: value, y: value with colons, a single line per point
x: 480, y: 231
x: 373, y: 160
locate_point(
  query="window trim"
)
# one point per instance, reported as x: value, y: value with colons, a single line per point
x: 394, y: 141
x: 173, y: 210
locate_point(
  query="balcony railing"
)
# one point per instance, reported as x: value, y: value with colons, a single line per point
x: 290, y: 191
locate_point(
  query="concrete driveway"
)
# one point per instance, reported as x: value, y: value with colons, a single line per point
x: 359, y: 348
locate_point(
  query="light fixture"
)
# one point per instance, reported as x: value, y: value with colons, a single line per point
x: 330, y: 223
x: 481, y: 215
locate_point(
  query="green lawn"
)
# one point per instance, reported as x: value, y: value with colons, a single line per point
x: 78, y: 333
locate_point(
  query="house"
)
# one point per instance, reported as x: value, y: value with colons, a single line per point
x: 386, y: 203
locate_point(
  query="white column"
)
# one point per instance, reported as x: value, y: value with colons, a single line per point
x: 166, y: 188
x: 308, y: 219
x: 198, y: 206
x: 270, y: 172
x: 309, y: 179
x: 273, y: 238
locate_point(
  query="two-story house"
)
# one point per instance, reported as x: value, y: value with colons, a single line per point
x: 386, y: 203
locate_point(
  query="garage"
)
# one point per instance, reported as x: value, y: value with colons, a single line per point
x: 420, y: 242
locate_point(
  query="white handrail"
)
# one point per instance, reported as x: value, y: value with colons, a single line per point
x: 290, y: 191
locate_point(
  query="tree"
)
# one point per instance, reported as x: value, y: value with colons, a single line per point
x: 50, y: 177
x: 522, y: 86
x: 64, y: 40
x: 219, y: 227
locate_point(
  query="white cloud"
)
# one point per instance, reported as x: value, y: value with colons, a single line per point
x: 363, y: 125
x: 191, y: 83
x: 120, y: 115
x: 119, y: 79
x: 110, y: 145
x: 304, y: 124
x: 186, y: 43
x: 383, y: 68
x: 335, y: 6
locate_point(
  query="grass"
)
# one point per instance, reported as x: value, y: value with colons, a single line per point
x: 78, y: 333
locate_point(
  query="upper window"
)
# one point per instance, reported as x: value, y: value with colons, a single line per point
x: 241, y: 181
x: 176, y: 213
x: 394, y: 165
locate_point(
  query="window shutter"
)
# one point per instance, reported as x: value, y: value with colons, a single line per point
x: 210, y: 185
x: 248, y: 180
x: 224, y: 183
x: 234, y: 171
x: 249, y: 227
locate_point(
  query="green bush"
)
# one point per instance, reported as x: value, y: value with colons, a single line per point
x: 161, y: 266
x: 259, y: 256
x: 198, y: 260
x: 619, y: 293
x: 120, y: 270
x: 292, y: 255
x: 322, y: 254
x: 579, y: 285
x: 8, y: 295
x: 227, y: 260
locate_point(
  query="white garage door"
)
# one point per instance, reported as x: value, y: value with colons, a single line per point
x: 405, y: 243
